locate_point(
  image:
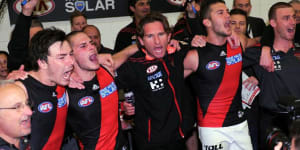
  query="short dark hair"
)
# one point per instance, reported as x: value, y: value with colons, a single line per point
x: 152, y: 17
x: 40, y: 43
x: 91, y: 26
x: 76, y: 14
x: 205, y: 8
x: 238, y: 12
x: 274, y: 7
x: 4, y: 53
x: 132, y: 4
x: 294, y: 1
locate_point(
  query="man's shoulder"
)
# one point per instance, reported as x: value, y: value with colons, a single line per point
x: 252, y: 19
x: 129, y: 28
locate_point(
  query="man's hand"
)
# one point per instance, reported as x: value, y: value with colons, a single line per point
x: 105, y: 60
x: 199, y: 41
x: 28, y: 8
x: 234, y: 40
x: 175, y: 46
x: 129, y: 109
x: 266, y: 60
x: 18, y: 74
x: 278, y: 146
x: 76, y: 81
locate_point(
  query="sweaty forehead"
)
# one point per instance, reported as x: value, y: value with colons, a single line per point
x: 79, y: 38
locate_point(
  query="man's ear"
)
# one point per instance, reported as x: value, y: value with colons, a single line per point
x: 140, y: 40
x: 273, y: 23
x: 132, y: 8
x: 42, y: 64
x: 206, y: 22
x: 169, y: 37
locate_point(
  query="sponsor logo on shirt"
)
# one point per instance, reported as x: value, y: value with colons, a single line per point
x: 86, y: 101
x: 277, y: 64
x: 155, y: 76
x: 108, y: 90
x: 151, y: 69
x: 234, y: 59
x: 213, y: 147
x: 62, y: 101
x: 156, y: 84
x: 212, y: 65
x: 45, y: 107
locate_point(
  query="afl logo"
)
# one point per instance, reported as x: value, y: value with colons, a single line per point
x: 86, y: 101
x: 45, y: 107
x: 151, y: 69
x: 212, y: 65
x: 42, y: 8
x: 175, y: 2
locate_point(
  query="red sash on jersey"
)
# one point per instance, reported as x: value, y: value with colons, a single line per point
x: 221, y: 102
x: 57, y: 135
x: 109, y: 111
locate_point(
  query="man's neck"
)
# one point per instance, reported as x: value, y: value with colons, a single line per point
x: 216, y: 40
x: 282, y: 45
x: 10, y: 140
x: 85, y: 75
x: 42, y: 77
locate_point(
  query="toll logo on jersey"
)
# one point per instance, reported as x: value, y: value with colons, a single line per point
x: 108, y: 90
x: 151, y: 69
x: 234, y: 59
x: 62, y: 101
x: 155, y: 76
x: 45, y: 107
x: 156, y: 85
x: 212, y: 65
x: 86, y: 101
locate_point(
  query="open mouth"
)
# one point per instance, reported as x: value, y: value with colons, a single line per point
x: 291, y: 30
x: 26, y: 122
x: 67, y: 75
x: 227, y: 24
x: 93, y: 58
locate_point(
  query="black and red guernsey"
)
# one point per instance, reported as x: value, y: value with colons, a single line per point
x: 217, y: 84
x: 50, y: 112
x: 93, y: 113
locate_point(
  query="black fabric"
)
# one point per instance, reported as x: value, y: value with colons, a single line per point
x: 154, y: 99
x: 18, y: 45
x: 282, y: 82
x: 6, y: 146
x: 42, y: 123
x: 255, y: 26
x: 126, y: 37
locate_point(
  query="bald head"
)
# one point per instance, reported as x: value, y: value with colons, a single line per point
x: 15, y: 114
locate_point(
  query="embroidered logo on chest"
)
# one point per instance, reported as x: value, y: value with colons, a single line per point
x: 86, y: 101
x: 45, y: 107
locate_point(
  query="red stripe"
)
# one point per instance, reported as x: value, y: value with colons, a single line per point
x: 179, y: 31
x: 220, y: 104
x: 109, y: 114
x: 175, y: 98
x: 149, y: 130
x: 56, y: 137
